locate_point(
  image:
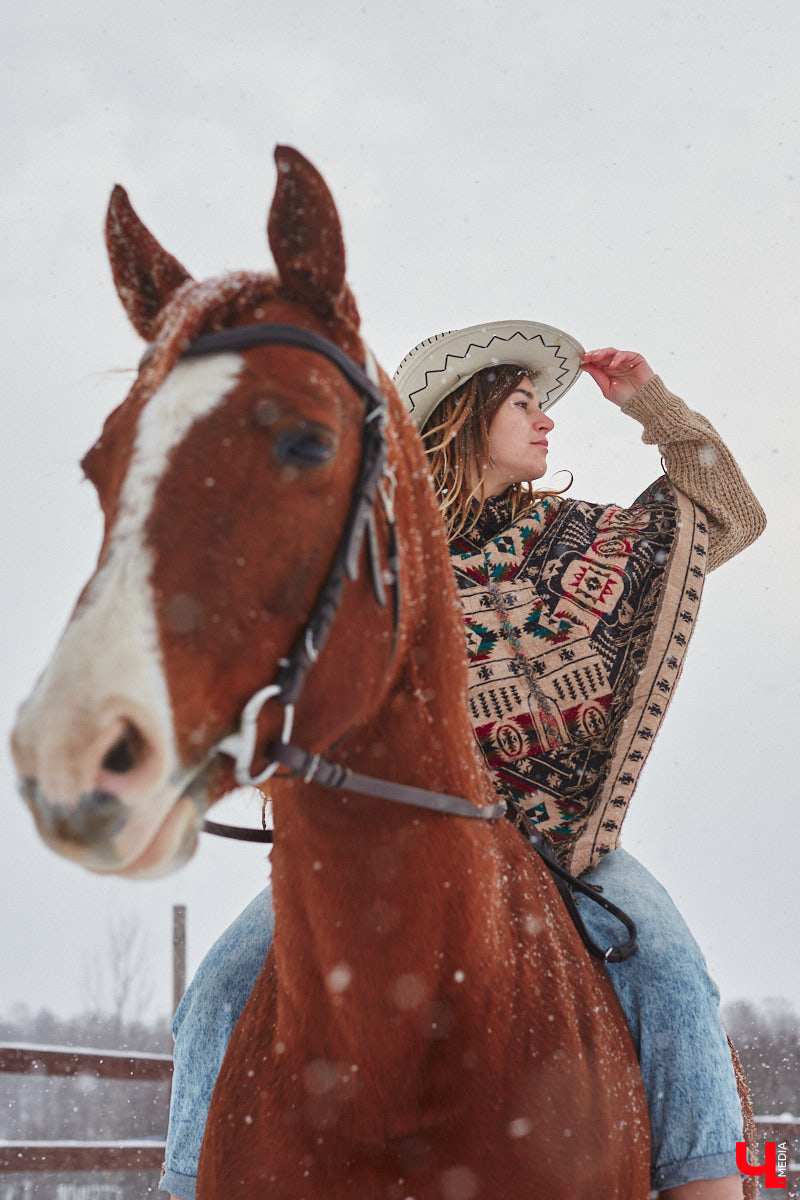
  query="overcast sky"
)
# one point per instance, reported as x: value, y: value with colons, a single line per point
x: 626, y: 171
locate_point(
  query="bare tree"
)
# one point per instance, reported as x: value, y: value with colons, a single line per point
x: 118, y: 979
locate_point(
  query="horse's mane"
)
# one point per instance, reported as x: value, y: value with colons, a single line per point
x: 207, y: 306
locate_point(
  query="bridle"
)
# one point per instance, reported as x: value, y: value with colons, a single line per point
x: 375, y: 482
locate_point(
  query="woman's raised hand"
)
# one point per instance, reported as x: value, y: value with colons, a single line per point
x: 618, y: 373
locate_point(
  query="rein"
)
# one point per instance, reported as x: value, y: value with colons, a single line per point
x: 375, y: 481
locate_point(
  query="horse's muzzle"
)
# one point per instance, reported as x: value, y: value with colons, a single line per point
x: 92, y: 822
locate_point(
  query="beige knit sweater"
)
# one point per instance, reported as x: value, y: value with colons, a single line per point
x: 699, y: 463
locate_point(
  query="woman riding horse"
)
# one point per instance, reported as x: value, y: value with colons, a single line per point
x: 451, y: 1035
x: 577, y: 617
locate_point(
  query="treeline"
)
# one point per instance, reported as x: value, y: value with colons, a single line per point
x: 38, y: 1107
x: 767, y: 1038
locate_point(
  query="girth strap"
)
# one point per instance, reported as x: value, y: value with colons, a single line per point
x: 238, y: 833
x: 567, y: 884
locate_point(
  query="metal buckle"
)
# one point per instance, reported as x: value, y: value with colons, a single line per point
x: 241, y: 745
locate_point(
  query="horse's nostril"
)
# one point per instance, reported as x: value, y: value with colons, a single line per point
x: 126, y: 752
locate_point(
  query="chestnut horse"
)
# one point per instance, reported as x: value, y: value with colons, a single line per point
x: 428, y: 1023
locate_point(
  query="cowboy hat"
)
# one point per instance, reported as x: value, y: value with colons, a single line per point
x: 442, y: 363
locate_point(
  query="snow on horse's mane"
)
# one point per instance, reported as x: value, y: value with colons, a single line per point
x: 202, y: 307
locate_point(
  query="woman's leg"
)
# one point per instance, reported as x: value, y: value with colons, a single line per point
x: 202, y: 1028
x: 672, y: 1008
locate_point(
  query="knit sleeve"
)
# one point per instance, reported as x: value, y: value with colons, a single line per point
x: 699, y: 463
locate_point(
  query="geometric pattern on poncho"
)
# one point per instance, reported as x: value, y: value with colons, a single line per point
x: 577, y: 617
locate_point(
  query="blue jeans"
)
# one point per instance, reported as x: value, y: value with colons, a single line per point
x: 670, y: 1002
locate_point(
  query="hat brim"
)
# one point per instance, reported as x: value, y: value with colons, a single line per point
x: 442, y: 363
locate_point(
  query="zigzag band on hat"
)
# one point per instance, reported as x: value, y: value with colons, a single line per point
x: 442, y: 363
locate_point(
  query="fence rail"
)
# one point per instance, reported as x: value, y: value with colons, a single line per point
x: 27, y: 1157
x: 23, y: 1058
x: 133, y: 1154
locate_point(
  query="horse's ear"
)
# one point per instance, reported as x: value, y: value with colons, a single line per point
x: 144, y: 274
x: 305, y: 236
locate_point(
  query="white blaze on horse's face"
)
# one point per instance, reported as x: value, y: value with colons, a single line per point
x: 95, y: 743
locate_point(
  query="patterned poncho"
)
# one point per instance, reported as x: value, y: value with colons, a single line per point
x: 577, y: 620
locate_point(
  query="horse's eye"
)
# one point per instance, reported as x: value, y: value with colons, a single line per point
x: 304, y: 448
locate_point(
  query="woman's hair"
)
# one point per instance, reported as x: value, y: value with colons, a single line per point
x: 459, y: 443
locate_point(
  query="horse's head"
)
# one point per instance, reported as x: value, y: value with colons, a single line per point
x: 226, y: 481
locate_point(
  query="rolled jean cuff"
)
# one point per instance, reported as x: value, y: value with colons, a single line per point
x: 179, y: 1185
x: 709, y: 1166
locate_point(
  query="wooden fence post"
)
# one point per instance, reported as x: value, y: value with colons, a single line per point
x: 178, y: 953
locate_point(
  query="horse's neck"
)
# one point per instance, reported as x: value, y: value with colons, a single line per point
x: 379, y: 907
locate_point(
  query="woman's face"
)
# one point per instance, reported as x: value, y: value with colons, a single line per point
x: 517, y: 440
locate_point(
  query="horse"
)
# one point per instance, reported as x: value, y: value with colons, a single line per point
x: 273, y: 592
